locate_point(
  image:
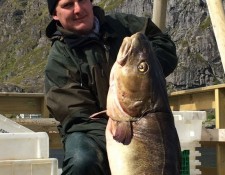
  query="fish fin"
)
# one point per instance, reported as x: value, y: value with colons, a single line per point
x: 123, y: 132
x: 98, y: 115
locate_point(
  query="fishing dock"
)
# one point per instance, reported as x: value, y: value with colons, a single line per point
x: 199, y: 99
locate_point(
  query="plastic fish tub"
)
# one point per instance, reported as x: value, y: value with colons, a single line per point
x: 24, y: 146
x: 9, y: 126
x: 189, y: 125
x: 189, y: 129
x: 29, y: 167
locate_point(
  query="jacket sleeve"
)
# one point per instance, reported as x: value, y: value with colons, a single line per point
x: 163, y: 46
x: 67, y: 100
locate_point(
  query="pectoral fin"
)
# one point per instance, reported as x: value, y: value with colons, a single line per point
x: 98, y: 115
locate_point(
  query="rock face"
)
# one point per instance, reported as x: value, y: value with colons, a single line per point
x: 10, y: 88
x: 189, y: 24
x: 199, y: 60
x: 24, y: 47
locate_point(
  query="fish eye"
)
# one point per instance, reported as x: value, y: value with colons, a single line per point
x: 143, y: 67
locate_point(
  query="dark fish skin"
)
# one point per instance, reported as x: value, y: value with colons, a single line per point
x: 141, y: 137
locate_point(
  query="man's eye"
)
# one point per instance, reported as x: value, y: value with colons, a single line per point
x: 82, y: 1
x: 67, y: 5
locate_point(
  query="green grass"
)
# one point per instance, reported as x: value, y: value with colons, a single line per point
x: 20, y: 58
x: 205, y: 24
x: 110, y: 5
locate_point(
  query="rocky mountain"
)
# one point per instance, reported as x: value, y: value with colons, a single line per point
x: 24, y: 47
x: 189, y: 24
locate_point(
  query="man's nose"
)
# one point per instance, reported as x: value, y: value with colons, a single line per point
x: 77, y: 7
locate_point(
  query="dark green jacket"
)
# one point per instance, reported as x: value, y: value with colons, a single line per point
x: 78, y: 68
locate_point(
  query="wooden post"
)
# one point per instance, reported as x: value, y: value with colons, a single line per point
x: 159, y: 13
x: 44, y: 109
x: 220, y: 108
x: 220, y: 123
x: 220, y: 156
x: 217, y: 16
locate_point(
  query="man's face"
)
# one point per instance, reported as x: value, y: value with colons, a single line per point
x: 75, y: 15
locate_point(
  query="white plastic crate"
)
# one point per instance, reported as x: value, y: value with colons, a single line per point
x: 189, y: 115
x: 24, y: 146
x: 189, y: 125
x: 189, y: 129
x: 29, y: 167
x: 9, y: 126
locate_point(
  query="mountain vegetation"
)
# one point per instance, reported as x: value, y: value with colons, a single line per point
x: 24, y: 46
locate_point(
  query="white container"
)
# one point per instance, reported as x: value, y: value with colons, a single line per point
x: 29, y: 167
x: 189, y: 125
x: 189, y: 129
x: 9, y: 126
x: 24, y: 146
x: 190, y: 115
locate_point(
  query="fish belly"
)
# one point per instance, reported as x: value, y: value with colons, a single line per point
x: 145, y: 155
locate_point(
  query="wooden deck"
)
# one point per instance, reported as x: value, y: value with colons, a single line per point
x: 211, y: 97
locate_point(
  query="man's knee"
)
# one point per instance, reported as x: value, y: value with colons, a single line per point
x: 83, y: 156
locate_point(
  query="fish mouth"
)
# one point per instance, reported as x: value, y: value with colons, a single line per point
x: 124, y: 51
x: 129, y: 46
x: 122, y: 58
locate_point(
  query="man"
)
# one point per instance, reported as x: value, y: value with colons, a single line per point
x: 85, y: 44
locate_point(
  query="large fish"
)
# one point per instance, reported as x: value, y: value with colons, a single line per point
x: 141, y: 136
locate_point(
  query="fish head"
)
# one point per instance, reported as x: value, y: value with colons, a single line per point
x: 130, y: 79
x: 137, y: 87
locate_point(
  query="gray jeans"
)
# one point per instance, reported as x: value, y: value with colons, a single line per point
x: 83, y: 156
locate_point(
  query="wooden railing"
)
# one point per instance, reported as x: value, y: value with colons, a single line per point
x: 12, y: 104
x: 23, y: 103
x: 211, y: 97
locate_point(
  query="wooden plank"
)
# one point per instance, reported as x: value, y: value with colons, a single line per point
x: 190, y: 102
x: 213, y: 135
x: 55, y: 141
x: 16, y: 94
x: 220, y: 123
x: 23, y: 103
x: 44, y: 109
x: 20, y: 105
x: 40, y: 124
x: 210, y: 144
x: 220, y: 156
x: 220, y: 108
x: 207, y: 170
x: 198, y: 90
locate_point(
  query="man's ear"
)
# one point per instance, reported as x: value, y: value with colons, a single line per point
x: 55, y: 17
